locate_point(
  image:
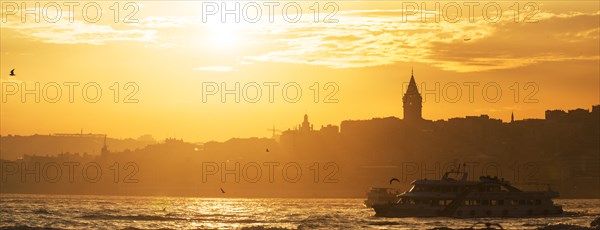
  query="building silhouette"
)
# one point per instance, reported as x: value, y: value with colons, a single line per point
x: 562, y: 150
x: 412, y: 101
x: 305, y: 127
x: 304, y: 139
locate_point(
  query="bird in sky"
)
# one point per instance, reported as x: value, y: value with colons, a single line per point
x: 222, y: 191
x: 12, y: 73
x: 267, y: 150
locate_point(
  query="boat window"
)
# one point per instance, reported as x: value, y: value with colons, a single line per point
x: 500, y: 202
x: 538, y: 202
x: 485, y: 202
x: 529, y: 202
x: 493, y: 202
x: 522, y: 202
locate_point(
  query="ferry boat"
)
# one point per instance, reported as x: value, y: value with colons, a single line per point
x: 381, y: 196
x: 455, y: 196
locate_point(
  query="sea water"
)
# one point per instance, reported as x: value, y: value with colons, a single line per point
x: 116, y: 212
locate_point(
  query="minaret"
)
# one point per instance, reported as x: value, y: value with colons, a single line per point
x: 412, y: 101
x: 104, y: 147
x: 512, y: 117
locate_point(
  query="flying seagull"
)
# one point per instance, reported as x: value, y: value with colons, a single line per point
x: 394, y: 179
x: 12, y: 72
x: 267, y: 150
x: 222, y: 191
x: 467, y: 39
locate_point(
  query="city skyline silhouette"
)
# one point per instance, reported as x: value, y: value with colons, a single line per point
x: 299, y: 115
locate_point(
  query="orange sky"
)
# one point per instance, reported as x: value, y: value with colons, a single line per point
x: 366, y: 57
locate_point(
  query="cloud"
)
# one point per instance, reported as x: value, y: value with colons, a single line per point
x: 361, y: 38
x: 76, y: 32
x: 164, y: 22
x: 380, y: 37
x: 554, y: 38
x: 216, y: 68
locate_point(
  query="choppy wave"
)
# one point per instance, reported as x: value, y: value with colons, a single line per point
x: 41, y: 211
x: 92, y: 212
x: 130, y: 217
x: 25, y: 227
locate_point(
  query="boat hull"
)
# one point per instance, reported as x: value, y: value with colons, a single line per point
x: 398, y: 211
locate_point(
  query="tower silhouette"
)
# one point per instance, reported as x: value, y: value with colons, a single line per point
x: 305, y: 126
x: 412, y: 101
x: 104, y: 149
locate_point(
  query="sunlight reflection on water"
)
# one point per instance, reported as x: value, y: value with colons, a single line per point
x: 225, y: 213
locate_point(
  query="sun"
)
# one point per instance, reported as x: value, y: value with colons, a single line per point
x: 225, y: 35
